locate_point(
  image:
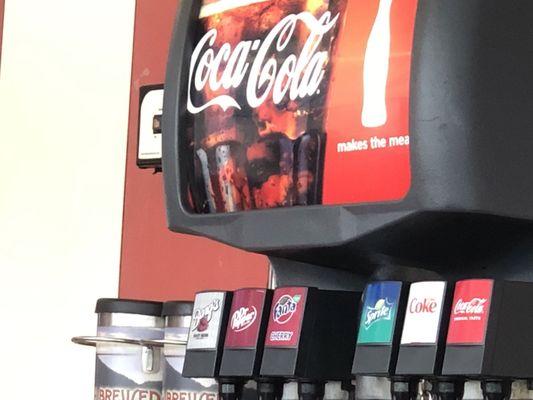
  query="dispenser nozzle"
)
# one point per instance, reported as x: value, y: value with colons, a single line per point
x: 496, y: 389
x: 311, y: 390
x: 229, y: 390
x: 269, y: 390
x: 448, y: 389
x: 349, y: 387
x: 404, y: 389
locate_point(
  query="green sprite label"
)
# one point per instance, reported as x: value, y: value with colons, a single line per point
x: 379, y: 313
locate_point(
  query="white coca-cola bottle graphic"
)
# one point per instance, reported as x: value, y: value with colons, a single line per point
x: 376, y: 69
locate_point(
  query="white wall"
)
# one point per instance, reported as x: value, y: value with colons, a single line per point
x: 64, y: 92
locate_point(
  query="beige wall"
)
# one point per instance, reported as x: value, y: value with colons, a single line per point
x: 64, y: 90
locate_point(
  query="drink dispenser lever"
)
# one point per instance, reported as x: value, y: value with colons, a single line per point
x: 378, y: 340
x: 485, y: 339
x: 309, y: 338
x: 206, y: 340
x: 244, y: 343
x: 423, y: 339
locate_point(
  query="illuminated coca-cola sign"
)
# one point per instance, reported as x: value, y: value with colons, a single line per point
x: 285, y: 100
x: 296, y: 75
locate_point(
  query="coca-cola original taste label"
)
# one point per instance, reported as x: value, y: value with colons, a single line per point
x: 424, y: 312
x: 470, y: 311
x: 286, y: 317
x: 245, y: 318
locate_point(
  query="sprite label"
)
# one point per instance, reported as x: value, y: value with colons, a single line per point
x: 379, y: 313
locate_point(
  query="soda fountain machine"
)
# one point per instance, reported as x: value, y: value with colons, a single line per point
x: 380, y: 145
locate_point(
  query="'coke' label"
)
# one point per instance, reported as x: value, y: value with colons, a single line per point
x: 299, y: 75
x: 426, y: 305
x: 474, y: 306
x: 424, y: 310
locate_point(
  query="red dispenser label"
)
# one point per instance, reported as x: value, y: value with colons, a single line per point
x: 470, y: 312
x: 245, y: 318
x: 286, y: 316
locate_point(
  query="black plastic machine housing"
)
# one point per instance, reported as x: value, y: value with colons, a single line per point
x: 470, y: 205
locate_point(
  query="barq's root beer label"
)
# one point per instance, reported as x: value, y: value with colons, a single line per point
x: 470, y: 312
x: 206, y: 320
x: 286, y: 317
x: 299, y: 102
x: 424, y: 313
x: 380, y: 309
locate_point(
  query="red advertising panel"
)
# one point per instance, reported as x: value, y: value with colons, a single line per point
x: 299, y: 103
x: 470, y: 312
x: 367, y: 123
x: 286, y: 316
x: 245, y: 318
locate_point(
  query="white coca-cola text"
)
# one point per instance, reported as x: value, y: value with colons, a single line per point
x: 226, y: 67
x: 474, y: 306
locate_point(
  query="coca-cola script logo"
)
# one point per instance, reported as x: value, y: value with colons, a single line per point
x: 417, y: 306
x: 243, y: 318
x: 202, y: 316
x: 474, y: 306
x: 382, y: 310
x: 285, y: 308
x: 299, y: 75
